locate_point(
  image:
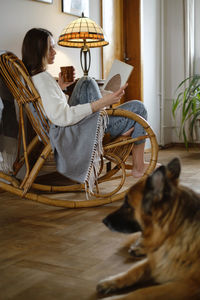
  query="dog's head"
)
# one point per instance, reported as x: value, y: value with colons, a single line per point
x: 147, y: 200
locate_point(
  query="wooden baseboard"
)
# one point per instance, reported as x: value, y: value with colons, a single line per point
x: 181, y: 145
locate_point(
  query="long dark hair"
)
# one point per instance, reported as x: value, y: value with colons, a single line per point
x: 34, y: 49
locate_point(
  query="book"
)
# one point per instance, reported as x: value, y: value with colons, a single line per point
x: 118, y: 76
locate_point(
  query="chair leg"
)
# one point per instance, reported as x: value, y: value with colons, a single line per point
x: 2, y: 191
x: 36, y: 168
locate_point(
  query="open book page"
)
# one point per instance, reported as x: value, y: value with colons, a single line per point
x: 118, y: 76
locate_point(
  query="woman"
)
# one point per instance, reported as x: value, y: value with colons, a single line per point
x: 37, y: 52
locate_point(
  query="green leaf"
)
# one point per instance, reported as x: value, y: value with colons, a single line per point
x: 188, y: 100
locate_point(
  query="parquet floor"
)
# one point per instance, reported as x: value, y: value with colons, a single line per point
x: 49, y: 253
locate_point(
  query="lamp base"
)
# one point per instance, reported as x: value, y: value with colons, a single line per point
x: 85, y: 59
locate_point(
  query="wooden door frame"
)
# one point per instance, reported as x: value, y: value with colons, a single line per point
x: 119, y: 52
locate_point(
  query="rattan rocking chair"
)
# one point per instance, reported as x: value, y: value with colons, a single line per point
x: 116, y: 151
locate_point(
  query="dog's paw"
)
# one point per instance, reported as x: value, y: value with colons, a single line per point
x: 106, y: 286
x: 136, y: 250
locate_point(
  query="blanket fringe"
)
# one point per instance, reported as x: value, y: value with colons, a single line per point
x: 7, y: 154
x: 94, y: 166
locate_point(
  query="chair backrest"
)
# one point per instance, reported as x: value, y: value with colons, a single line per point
x: 20, y: 84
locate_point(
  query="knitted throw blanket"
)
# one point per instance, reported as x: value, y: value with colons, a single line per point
x: 78, y: 148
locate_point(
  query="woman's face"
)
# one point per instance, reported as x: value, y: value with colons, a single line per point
x: 51, y: 51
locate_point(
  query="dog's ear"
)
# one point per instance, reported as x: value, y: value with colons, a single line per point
x: 154, y: 188
x: 174, y: 168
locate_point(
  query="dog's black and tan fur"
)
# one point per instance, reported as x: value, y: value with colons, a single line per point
x: 168, y: 215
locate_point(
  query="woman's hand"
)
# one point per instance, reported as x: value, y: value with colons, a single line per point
x: 108, y: 99
x: 115, y: 97
x: 63, y: 85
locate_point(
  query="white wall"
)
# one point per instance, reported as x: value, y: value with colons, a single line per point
x: 18, y: 16
x: 163, y: 63
x: 150, y: 29
x: 174, y: 64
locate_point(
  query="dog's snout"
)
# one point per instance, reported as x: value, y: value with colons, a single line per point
x: 105, y: 221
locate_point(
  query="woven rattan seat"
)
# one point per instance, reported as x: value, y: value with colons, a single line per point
x: 116, y: 151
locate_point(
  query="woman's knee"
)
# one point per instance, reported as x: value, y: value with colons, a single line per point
x: 139, y: 108
x: 91, y: 88
x: 86, y: 82
x: 85, y: 91
x: 135, y: 106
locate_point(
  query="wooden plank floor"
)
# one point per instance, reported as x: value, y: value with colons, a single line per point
x: 54, y: 253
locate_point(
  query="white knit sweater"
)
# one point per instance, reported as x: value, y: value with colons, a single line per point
x: 55, y: 102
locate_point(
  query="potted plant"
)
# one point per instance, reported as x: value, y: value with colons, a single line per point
x: 188, y: 102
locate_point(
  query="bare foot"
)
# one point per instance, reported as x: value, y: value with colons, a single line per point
x: 137, y: 173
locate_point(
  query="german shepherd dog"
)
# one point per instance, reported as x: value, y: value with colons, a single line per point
x: 168, y: 216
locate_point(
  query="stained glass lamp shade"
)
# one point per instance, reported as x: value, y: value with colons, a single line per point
x: 85, y: 34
